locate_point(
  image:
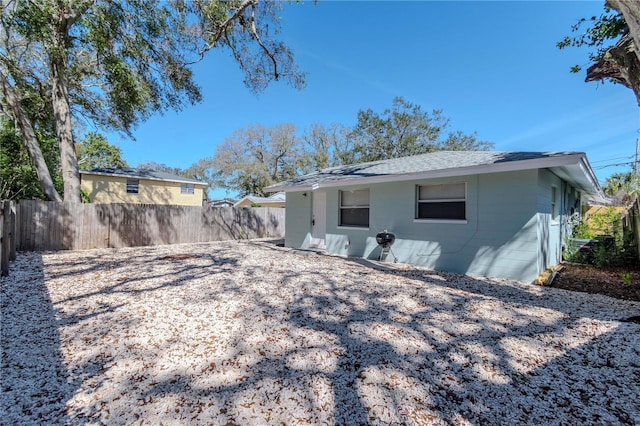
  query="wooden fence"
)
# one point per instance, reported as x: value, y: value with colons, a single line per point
x: 7, y: 235
x: 635, y: 217
x: 46, y: 225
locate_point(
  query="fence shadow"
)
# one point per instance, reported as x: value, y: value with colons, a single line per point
x: 32, y: 367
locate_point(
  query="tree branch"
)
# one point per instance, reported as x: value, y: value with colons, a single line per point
x: 620, y: 64
x: 255, y: 35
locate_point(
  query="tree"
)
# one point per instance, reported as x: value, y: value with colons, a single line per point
x: 624, y: 187
x: 326, y: 146
x: 95, y: 151
x: 116, y: 62
x: 615, y: 35
x: 161, y: 167
x: 405, y: 129
x: 18, y: 175
x: 257, y: 156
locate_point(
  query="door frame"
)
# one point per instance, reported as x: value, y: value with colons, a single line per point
x: 318, y: 219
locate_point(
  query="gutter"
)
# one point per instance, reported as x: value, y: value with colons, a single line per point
x: 538, y: 163
x: 193, y: 181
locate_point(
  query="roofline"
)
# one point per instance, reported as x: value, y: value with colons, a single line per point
x: 508, y: 166
x: 264, y: 200
x: 588, y: 171
x: 185, y: 180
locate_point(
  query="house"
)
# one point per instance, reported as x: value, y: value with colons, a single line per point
x: 138, y: 186
x: 498, y: 214
x: 225, y: 202
x: 275, y: 200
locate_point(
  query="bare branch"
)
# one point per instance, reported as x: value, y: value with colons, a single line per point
x: 257, y: 38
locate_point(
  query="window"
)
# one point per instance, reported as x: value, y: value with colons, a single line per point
x: 133, y: 186
x: 554, y: 203
x: 187, y: 188
x: 354, y: 208
x: 442, y: 202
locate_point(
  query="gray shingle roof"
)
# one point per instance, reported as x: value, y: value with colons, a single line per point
x: 129, y: 172
x: 424, y: 164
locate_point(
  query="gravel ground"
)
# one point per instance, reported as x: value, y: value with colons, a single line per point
x: 247, y: 333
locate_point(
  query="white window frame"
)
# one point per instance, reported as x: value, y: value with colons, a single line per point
x: 419, y: 201
x: 343, y: 207
x: 187, y: 188
x: 132, y: 186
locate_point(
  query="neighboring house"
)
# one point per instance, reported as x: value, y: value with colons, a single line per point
x: 498, y: 214
x: 221, y: 203
x: 138, y: 186
x: 275, y: 200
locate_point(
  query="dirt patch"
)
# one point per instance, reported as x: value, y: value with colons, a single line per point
x: 621, y: 283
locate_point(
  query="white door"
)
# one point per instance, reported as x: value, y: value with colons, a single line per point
x: 318, y: 219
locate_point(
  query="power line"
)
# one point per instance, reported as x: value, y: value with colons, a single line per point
x: 614, y: 158
x: 629, y: 163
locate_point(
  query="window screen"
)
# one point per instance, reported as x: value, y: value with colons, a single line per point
x: 354, y: 208
x: 446, y: 201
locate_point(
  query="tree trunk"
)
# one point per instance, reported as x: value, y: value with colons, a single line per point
x: 630, y: 10
x: 620, y: 63
x: 62, y: 115
x: 28, y: 134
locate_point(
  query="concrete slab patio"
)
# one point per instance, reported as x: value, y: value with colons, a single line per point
x: 248, y: 333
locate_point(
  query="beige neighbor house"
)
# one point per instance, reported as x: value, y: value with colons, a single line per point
x: 138, y: 186
x: 278, y: 199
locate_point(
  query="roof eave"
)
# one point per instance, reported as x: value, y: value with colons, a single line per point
x: 537, y: 163
x: 197, y: 182
x: 581, y: 176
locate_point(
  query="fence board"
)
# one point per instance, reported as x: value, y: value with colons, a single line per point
x: 4, y: 240
x: 636, y: 225
x: 45, y: 225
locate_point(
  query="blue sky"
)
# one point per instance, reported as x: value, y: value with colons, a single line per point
x: 492, y: 67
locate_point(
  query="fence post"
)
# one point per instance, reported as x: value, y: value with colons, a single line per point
x: 12, y: 230
x: 636, y: 225
x: 4, y: 240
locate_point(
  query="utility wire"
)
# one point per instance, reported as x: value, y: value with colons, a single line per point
x: 629, y: 163
x: 614, y: 158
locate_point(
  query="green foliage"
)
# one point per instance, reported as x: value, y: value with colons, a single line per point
x: 258, y: 156
x: 604, y: 252
x: 114, y: 63
x: 581, y: 230
x: 626, y: 277
x: 84, y: 196
x: 625, y: 186
x: 607, y: 222
x: 18, y: 178
x: 404, y: 129
x: 601, y: 34
x: 95, y: 151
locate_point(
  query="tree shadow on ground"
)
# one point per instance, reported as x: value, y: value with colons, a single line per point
x: 432, y: 348
x: 294, y: 339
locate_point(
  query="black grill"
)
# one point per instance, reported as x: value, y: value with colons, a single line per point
x: 385, y: 239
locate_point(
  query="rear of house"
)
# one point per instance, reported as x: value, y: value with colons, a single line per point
x: 139, y: 186
x: 478, y: 213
